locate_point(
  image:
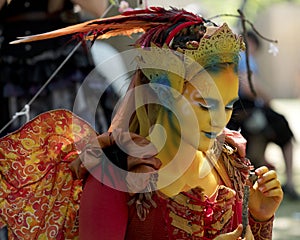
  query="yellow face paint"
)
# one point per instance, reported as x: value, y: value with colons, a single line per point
x: 211, y: 95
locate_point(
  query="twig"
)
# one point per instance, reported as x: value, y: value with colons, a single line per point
x: 245, y: 220
x: 246, y: 21
x: 249, y: 71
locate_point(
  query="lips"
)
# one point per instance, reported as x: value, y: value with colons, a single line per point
x: 210, y: 135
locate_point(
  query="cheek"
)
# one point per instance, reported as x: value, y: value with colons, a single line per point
x: 194, y: 117
x: 203, y: 118
x: 228, y: 115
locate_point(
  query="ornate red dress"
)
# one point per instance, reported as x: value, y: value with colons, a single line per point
x: 40, y: 199
x: 106, y: 213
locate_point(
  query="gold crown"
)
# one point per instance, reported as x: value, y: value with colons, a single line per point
x: 218, y: 45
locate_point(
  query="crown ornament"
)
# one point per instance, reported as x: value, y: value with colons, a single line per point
x: 218, y: 45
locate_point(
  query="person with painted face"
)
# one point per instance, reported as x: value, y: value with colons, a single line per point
x: 168, y: 168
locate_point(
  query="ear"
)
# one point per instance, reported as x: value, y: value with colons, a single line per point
x: 163, y: 66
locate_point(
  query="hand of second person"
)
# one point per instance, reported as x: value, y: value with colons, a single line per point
x: 265, y: 195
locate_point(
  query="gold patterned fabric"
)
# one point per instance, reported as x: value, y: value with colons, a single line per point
x: 261, y: 230
x: 192, y: 215
x: 39, y: 199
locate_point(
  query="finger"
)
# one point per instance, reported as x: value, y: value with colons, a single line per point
x: 248, y: 235
x: 268, y: 181
x: 264, y: 186
x: 133, y: 144
x: 261, y: 170
x: 153, y: 162
x: 267, y: 176
x: 237, y: 232
x: 276, y: 192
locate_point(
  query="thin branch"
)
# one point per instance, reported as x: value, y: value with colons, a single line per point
x: 246, y: 21
x: 249, y: 71
x: 258, y: 33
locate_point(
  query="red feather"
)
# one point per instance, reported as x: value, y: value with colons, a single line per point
x: 130, y: 22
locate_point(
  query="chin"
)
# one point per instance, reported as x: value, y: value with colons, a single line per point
x: 205, y: 145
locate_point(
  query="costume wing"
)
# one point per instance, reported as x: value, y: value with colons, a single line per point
x: 39, y: 198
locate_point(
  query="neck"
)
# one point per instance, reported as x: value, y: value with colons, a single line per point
x: 166, y: 137
x: 183, y: 166
x: 176, y: 155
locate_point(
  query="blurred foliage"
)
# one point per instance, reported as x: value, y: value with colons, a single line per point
x: 254, y: 7
x: 250, y: 7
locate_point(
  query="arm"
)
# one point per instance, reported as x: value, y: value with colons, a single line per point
x: 265, y: 195
x: 261, y: 230
x: 2, y: 2
x: 264, y: 200
x: 95, y: 7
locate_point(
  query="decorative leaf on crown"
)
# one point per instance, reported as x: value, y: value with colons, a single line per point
x: 157, y: 61
x: 218, y: 45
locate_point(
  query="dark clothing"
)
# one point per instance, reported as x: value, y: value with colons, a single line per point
x: 24, y: 68
x: 272, y: 125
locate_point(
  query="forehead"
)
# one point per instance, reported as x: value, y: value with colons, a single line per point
x: 221, y: 80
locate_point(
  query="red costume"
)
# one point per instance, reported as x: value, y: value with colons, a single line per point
x: 184, y: 47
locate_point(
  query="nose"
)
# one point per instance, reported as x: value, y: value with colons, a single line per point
x: 218, y: 118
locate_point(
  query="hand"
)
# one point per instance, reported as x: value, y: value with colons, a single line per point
x: 86, y: 160
x: 133, y: 144
x: 236, y: 234
x: 139, y: 178
x: 265, y: 195
x: 140, y: 158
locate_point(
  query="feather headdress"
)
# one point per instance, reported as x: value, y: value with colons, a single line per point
x: 163, y: 30
x: 151, y: 21
x: 198, y: 39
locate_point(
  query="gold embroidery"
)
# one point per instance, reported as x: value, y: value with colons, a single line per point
x: 185, y: 200
x: 224, y: 219
x: 186, y: 225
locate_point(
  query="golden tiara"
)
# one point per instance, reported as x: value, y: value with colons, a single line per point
x: 218, y: 45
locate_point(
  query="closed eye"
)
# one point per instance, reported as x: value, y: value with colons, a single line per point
x: 212, y: 104
x: 229, y: 106
x: 209, y: 104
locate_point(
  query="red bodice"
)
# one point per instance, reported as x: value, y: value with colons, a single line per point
x: 188, y: 215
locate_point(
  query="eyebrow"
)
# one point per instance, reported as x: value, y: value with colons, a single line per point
x: 213, y: 100
x: 232, y: 101
x: 218, y: 67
